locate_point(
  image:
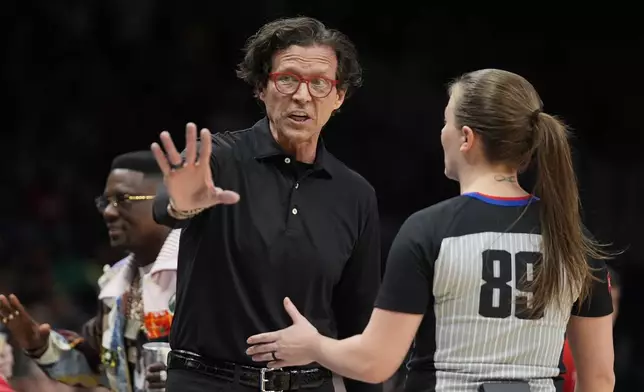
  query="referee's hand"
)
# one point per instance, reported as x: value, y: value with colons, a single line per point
x: 189, y: 179
x: 296, y: 345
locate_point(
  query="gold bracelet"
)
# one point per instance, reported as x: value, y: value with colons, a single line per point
x: 181, y: 215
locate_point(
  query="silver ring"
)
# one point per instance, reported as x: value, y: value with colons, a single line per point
x: 163, y: 375
x: 177, y: 166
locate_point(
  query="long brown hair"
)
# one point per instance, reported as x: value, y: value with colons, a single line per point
x: 505, y: 110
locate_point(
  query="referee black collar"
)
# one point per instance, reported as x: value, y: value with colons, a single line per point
x: 266, y: 146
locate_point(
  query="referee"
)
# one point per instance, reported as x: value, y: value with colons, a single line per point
x: 484, y: 284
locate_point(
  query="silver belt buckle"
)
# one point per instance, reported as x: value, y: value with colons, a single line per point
x: 263, y: 380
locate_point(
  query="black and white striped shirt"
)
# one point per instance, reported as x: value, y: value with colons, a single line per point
x: 462, y: 264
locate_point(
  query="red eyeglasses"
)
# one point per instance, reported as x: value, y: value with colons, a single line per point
x: 288, y: 83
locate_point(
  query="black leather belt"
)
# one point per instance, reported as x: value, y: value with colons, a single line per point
x: 264, y: 379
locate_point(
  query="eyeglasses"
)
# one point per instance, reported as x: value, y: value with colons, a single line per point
x: 288, y: 83
x: 122, y: 200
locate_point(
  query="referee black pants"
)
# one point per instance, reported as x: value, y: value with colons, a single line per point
x: 180, y: 380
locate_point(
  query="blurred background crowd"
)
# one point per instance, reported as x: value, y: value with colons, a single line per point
x: 83, y: 81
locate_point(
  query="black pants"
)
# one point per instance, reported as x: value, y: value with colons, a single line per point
x: 180, y: 380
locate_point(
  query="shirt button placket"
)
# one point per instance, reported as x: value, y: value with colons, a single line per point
x: 294, y: 209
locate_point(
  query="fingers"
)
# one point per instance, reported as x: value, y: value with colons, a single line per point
x: 266, y: 357
x: 262, y: 349
x: 16, y: 305
x: 7, y: 312
x: 156, y: 367
x: 161, y: 159
x: 171, y: 151
x: 225, y: 197
x: 205, y: 149
x: 292, y: 310
x: 4, y: 306
x: 156, y: 385
x: 191, y: 143
x: 278, y: 364
x: 156, y: 376
x: 267, y: 337
x: 44, y: 329
x: 171, y: 158
x: 18, y: 320
x: 152, y: 377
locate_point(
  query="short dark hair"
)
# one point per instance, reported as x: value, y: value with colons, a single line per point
x: 141, y: 161
x: 302, y: 31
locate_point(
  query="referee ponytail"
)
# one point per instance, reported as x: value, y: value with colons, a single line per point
x: 565, y: 243
x: 505, y: 111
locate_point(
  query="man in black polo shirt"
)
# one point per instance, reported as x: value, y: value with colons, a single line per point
x: 293, y: 221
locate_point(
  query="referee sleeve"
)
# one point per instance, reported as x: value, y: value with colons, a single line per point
x: 407, y: 284
x: 599, y: 303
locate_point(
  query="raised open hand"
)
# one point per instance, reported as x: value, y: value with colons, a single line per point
x: 189, y: 180
x: 28, y: 334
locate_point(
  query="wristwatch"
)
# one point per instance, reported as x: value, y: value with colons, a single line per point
x: 181, y: 215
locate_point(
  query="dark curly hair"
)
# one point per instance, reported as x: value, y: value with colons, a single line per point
x: 302, y: 31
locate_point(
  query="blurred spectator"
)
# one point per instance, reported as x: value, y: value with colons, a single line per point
x: 6, y: 359
x: 4, y: 386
